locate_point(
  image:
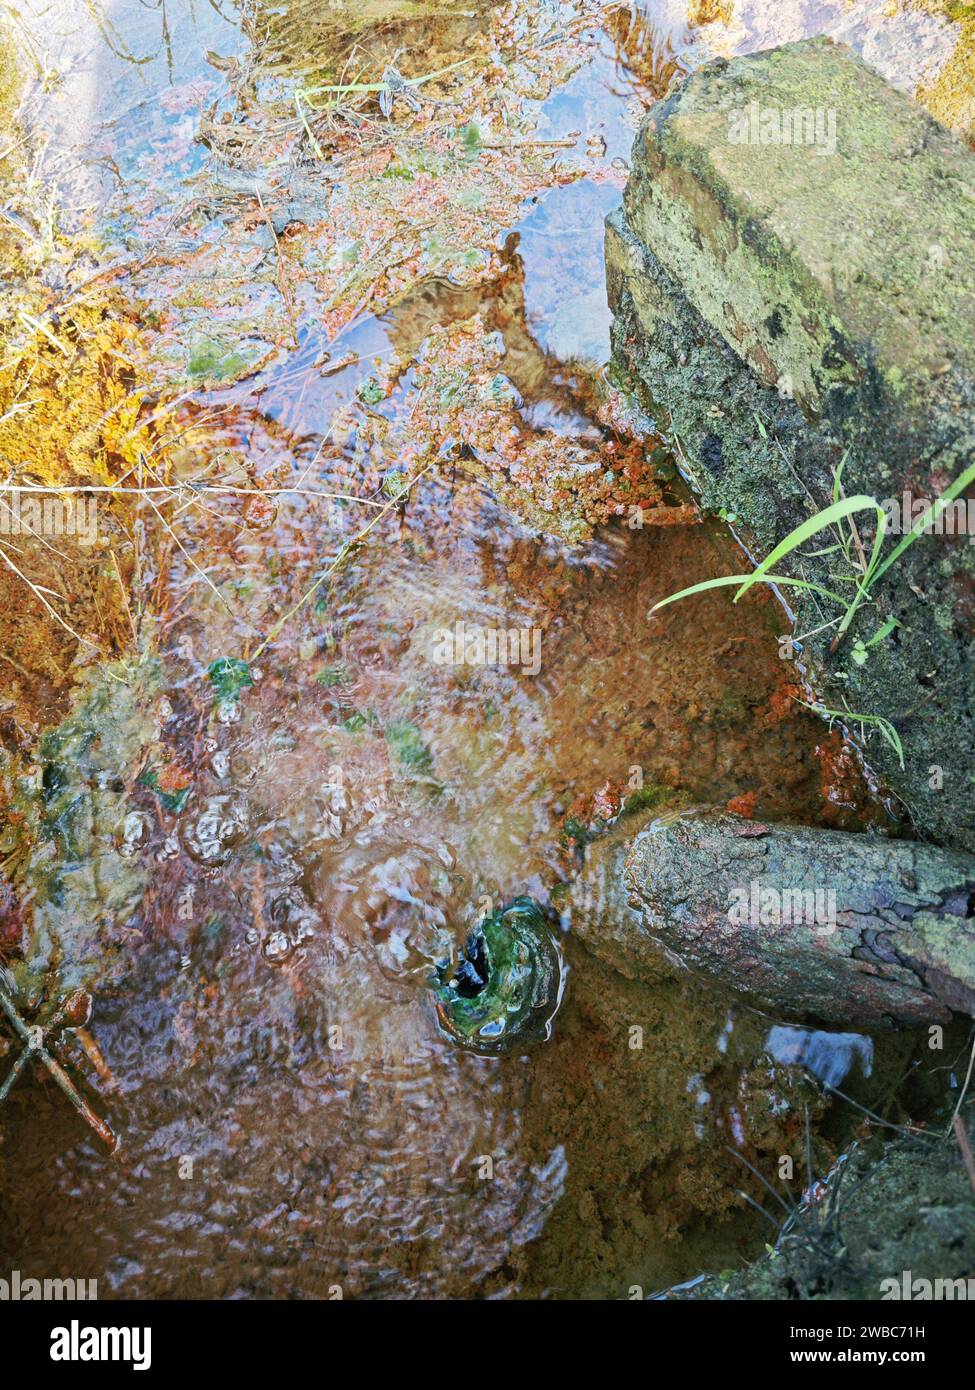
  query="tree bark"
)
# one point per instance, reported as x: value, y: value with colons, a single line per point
x: 821, y: 923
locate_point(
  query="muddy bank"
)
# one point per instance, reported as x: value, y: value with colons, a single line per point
x: 898, y: 1225
x: 803, y: 321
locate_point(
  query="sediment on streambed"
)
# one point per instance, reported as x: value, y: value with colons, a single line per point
x: 898, y: 1224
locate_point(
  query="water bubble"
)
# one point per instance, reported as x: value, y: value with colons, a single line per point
x: 277, y: 948
x: 227, y: 711
x: 211, y: 838
x: 134, y: 833
x: 292, y: 915
x: 168, y: 850
x: 336, y: 807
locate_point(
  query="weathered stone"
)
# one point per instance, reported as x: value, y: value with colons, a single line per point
x: 75, y: 833
x: 781, y: 306
x: 829, y: 251
x: 845, y: 928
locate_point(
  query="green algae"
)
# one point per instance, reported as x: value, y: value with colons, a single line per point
x: 407, y: 746
x: 173, y: 801
x: 229, y: 676
x: 213, y: 360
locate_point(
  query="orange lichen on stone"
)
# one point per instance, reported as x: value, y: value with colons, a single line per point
x: 848, y: 796
x: 781, y: 702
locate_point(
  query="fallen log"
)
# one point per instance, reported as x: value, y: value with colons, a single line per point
x: 813, y: 923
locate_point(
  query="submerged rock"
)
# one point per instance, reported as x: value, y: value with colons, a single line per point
x: 821, y: 923
x: 507, y: 986
x: 793, y: 281
x: 831, y: 1057
x: 75, y: 838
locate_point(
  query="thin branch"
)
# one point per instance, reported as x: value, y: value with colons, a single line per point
x: 966, y: 1148
x: 37, y: 593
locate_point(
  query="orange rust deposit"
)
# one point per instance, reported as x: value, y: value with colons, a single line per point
x: 743, y: 805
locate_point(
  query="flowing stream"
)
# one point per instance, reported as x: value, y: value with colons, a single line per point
x: 293, y: 1122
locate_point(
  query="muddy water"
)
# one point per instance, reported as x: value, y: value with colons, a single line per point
x: 292, y: 1122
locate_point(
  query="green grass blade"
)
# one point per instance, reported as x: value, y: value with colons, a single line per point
x: 811, y: 527
x: 870, y: 575
x: 882, y: 632
x: 964, y: 480
x: 727, y: 579
x: 878, y: 721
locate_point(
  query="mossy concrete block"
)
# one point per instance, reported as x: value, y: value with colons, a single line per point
x: 843, y: 262
x: 781, y: 306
